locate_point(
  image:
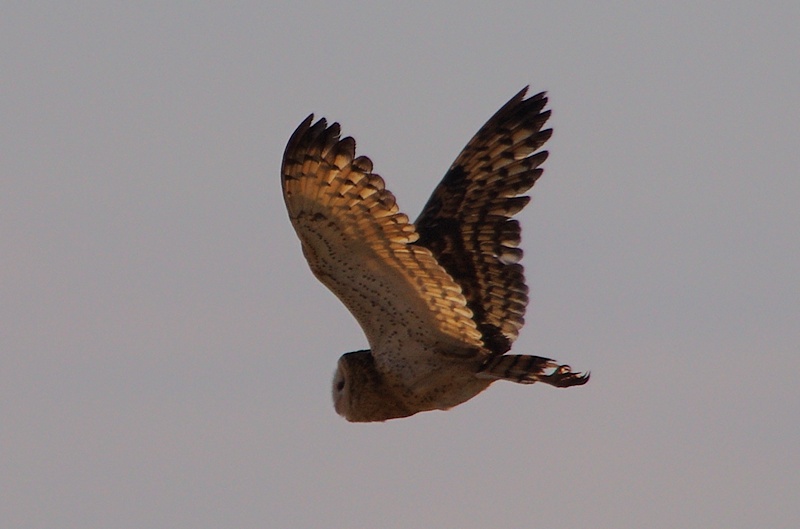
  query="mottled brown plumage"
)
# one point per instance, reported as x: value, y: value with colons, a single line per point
x: 440, y: 301
x: 466, y: 223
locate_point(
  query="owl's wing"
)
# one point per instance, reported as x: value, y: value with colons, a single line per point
x: 467, y: 222
x: 359, y: 245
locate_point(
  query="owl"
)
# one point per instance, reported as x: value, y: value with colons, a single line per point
x: 441, y: 300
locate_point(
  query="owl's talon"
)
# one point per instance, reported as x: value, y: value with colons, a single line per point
x: 563, y: 377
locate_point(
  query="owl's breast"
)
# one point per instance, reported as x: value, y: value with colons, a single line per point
x: 427, y: 378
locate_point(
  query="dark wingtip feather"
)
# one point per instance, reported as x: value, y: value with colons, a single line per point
x: 298, y: 134
x: 346, y: 146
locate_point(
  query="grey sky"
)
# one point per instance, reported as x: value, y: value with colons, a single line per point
x: 166, y: 355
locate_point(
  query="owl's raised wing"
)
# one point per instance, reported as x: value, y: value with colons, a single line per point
x: 467, y: 222
x: 359, y: 245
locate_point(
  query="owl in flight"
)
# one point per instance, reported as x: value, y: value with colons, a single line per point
x: 440, y: 300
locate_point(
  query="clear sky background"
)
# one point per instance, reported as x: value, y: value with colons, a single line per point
x: 166, y: 355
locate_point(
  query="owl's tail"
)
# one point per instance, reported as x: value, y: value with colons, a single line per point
x: 527, y: 369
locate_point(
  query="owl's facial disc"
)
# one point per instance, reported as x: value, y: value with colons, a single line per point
x: 339, y: 389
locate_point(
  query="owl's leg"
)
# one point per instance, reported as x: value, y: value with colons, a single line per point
x: 527, y: 369
x: 563, y: 377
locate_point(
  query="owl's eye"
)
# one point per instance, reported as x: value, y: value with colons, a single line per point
x: 340, y: 385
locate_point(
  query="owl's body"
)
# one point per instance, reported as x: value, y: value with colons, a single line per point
x: 386, y: 393
x: 440, y: 301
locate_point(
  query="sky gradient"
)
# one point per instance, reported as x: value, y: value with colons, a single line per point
x: 166, y: 355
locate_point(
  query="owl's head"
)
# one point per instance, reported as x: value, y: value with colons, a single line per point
x: 360, y: 393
